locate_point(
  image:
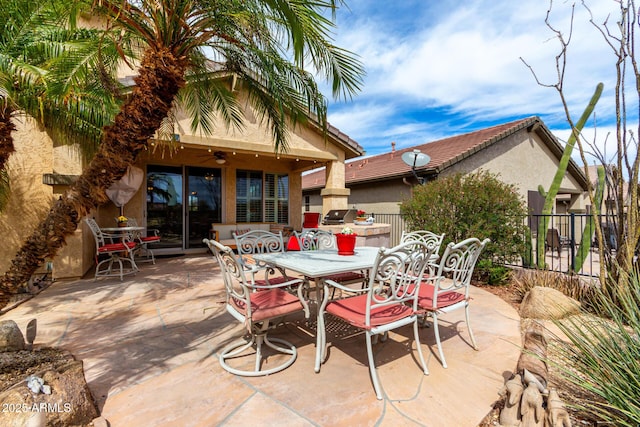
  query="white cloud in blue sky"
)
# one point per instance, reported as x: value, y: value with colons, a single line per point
x: 442, y: 68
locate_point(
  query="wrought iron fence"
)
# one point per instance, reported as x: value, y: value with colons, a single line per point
x: 562, y: 241
x: 397, y: 225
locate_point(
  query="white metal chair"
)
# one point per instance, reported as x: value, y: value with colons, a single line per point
x: 118, y: 248
x: 311, y: 239
x: 145, y: 238
x: 446, y: 288
x: 431, y: 239
x: 260, y: 241
x: 389, y: 301
x: 316, y: 239
x: 257, y: 307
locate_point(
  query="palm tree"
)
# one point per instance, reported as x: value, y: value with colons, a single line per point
x: 30, y: 37
x: 265, y: 43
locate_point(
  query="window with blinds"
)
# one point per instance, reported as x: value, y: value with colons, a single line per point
x: 262, y: 198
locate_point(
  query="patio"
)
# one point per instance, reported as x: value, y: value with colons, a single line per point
x: 149, y: 346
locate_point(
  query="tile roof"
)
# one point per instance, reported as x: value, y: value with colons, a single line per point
x: 444, y: 153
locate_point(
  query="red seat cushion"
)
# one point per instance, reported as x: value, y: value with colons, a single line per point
x: 353, y: 311
x: 116, y: 247
x: 275, y: 280
x: 445, y: 299
x: 269, y: 303
x: 150, y: 239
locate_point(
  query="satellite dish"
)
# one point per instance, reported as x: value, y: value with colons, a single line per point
x: 415, y: 158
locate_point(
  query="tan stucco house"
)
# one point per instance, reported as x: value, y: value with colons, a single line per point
x: 524, y: 152
x: 229, y: 180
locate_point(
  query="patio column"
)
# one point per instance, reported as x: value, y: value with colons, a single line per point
x: 334, y: 194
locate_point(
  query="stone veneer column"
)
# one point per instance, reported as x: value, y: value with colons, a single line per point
x: 335, y: 195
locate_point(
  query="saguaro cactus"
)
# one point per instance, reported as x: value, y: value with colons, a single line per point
x: 587, y: 233
x: 550, y: 196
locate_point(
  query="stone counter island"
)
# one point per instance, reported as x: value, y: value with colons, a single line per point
x: 368, y: 235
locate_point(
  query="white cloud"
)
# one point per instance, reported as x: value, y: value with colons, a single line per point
x: 430, y: 64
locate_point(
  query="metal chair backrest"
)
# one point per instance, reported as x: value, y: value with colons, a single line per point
x: 235, y: 284
x: 396, y: 276
x: 432, y: 240
x: 97, y: 233
x: 257, y: 242
x: 457, y: 264
x: 312, y: 239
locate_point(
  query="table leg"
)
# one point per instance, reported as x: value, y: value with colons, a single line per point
x: 321, y: 335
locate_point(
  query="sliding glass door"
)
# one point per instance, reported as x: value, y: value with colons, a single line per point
x: 182, y: 202
x: 204, y: 188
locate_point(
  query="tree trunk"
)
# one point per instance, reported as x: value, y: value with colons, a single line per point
x: 161, y: 75
x: 6, y: 139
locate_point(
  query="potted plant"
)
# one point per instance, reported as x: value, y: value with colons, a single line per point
x: 122, y: 221
x: 361, y: 215
x: 346, y: 241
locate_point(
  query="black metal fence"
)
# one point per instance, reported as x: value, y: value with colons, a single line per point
x: 561, y: 241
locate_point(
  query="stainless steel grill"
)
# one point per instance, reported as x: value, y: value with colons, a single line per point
x: 339, y: 216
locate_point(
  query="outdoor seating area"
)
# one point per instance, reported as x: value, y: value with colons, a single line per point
x: 118, y: 249
x: 152, y: 355
x: 399, y: 286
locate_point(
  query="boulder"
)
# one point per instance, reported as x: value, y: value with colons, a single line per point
x: 69, y: 404
x: 11, y: 339
x: 547, y: 303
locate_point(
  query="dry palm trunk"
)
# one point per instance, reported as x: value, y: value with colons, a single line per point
x: 6, y: 139
x: 160, y: 77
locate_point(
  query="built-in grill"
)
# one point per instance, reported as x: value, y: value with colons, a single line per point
x: 339, y: 216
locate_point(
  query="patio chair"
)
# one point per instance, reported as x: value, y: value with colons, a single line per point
x: 316, y: 239
x: 555, y: 241
x: 388, y: 301
x: 257, y: 307
x: 260, y: 241
x: 310, y: 220
x: 151, y: 235
x: 312, y: 239
x: 430, y: 238
x: 118, y: 248
x: 446, y: 288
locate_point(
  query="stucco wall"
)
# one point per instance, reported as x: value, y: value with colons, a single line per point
x: 29, y: 199
x: 521, y: 159
x: 524, y: 161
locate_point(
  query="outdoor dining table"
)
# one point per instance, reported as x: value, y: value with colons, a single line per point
x: 124, y: 231
x: 316, y: 265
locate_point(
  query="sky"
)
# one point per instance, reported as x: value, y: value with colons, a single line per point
x: 438, y: 68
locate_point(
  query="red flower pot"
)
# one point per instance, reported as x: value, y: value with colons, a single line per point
x: 346, y: 243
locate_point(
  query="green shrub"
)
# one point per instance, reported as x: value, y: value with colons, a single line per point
x: 471, y: 205
x: 493, y: 274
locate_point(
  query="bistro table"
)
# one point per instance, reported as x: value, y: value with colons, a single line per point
x: 316, y: 265
x: 123, y: 232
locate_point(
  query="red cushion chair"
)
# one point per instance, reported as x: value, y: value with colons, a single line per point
x: 257, y: 311
x: 446, y: 288
x: 388, y: 301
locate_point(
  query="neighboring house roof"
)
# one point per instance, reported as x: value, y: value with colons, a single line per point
x: 444, y: 153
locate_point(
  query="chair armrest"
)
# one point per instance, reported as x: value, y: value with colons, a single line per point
x: 334, y: 284
x: 287, y: 284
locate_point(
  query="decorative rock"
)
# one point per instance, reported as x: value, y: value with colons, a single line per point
x: 11, y: 338
x: 547, y: 303
x: 69, y: 404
